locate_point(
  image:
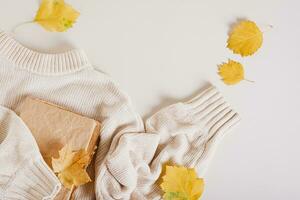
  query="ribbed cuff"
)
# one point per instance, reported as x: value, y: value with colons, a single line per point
x: 212, y: 111
x: 33, y: 181
x: 214, y: 117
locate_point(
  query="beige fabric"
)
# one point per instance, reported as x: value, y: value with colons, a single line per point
x: 23, y: 172
x: 182, y: 134
x: 130, y: 155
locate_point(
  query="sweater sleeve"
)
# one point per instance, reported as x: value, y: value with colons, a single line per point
x: 23, y: 172
x: 183, y: 134
x: 125, y: 151
x: 190, y: 131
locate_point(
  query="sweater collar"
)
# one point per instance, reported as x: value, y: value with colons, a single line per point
x: 41, y: 63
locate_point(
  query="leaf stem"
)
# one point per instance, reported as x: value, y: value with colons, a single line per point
x: 19, y: 25
x: 71, y: 193
x: 267, y: 28
x: 249, y: 80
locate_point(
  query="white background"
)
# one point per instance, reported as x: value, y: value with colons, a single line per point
x: 162, y: 51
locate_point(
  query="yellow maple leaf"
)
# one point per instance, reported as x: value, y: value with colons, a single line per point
x: 56, y: 15
x: 70, y: 167
x: 245, y: 38
x: 180, y: 183
x: 231, y: 72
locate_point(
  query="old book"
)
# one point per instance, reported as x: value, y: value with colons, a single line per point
x: 54, y: 127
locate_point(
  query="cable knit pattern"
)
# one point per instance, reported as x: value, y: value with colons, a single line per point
x: 130, y: 155
x: 23, y: 172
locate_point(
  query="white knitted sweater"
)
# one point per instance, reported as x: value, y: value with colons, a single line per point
x: 23, y: 172
x: 130, y: 154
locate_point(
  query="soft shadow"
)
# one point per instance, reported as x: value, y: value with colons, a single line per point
x: 166, y: 100
x: 62, y: 47
x: 98, y: 68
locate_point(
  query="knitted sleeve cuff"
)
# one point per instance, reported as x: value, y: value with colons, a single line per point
x: 211, y: 111
x: 214, y: 117
x: 190, y: 131
x: 33, y: 181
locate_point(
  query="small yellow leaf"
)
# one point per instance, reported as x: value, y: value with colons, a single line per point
x: 231, y: 72
x: 245, y: 38
x: 180, y: 183
x: 71, y: 167
x: 56, y: 15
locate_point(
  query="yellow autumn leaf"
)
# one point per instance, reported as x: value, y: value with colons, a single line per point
x: 56, y: 15
x: 180, y: 183
x: 245, y: 38
x: 70, y: 167
x: 232, y: 72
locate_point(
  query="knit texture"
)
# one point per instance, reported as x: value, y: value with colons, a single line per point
x: 23, y: 172
x: 182, y: 134
x: 130, y: 154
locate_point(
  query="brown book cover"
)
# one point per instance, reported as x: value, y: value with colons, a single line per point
x: 54, y: 127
